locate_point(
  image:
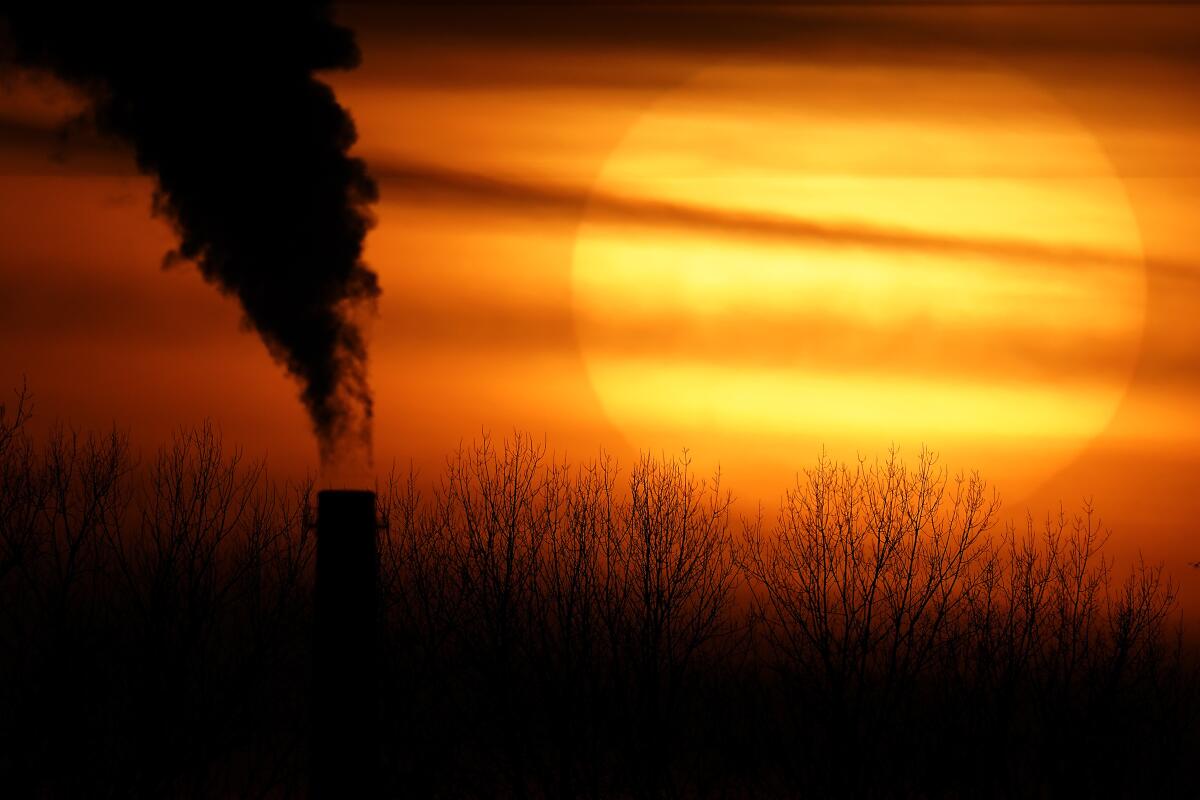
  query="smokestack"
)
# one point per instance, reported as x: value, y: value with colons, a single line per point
x: 345, y: 756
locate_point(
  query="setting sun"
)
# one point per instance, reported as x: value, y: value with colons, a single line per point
x: 765, y: 344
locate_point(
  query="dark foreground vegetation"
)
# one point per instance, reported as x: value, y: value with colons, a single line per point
x: 578, y: 631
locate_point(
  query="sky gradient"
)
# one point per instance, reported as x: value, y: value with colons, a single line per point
x: 748, y: 232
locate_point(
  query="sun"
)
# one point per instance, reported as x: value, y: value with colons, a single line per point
x: 760, y: 350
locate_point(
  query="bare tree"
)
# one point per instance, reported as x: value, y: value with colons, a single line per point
x: 862, y: 581
x: 888, y: 605
x: 671, y: 557
x: 572, y: 630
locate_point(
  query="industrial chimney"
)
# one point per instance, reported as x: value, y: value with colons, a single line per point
x: 345, y: 757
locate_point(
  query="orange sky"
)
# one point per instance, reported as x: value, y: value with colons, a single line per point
x: 746, y: 232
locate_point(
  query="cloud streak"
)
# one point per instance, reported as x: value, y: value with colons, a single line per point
x: 886, y: 31
x: 762, y: 339
x: 431, y: 184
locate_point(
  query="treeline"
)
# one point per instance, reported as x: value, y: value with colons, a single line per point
x: 555, y: 630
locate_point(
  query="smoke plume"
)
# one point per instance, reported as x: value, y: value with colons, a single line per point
x: 249, y: 150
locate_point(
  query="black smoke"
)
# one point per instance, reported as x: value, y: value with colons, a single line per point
x: 221, y: 105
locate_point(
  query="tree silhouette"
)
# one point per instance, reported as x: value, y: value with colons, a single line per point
x: 573, y: 629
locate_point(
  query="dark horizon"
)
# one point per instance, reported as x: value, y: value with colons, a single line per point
x: 580, y: 629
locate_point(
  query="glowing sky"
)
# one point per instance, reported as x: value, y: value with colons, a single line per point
x: 748, y: 232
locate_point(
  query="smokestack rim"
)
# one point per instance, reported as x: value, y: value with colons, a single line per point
x: 344, y: 494
x: 347, y: 510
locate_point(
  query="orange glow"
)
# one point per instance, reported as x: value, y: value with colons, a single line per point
x: 589, y: 240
